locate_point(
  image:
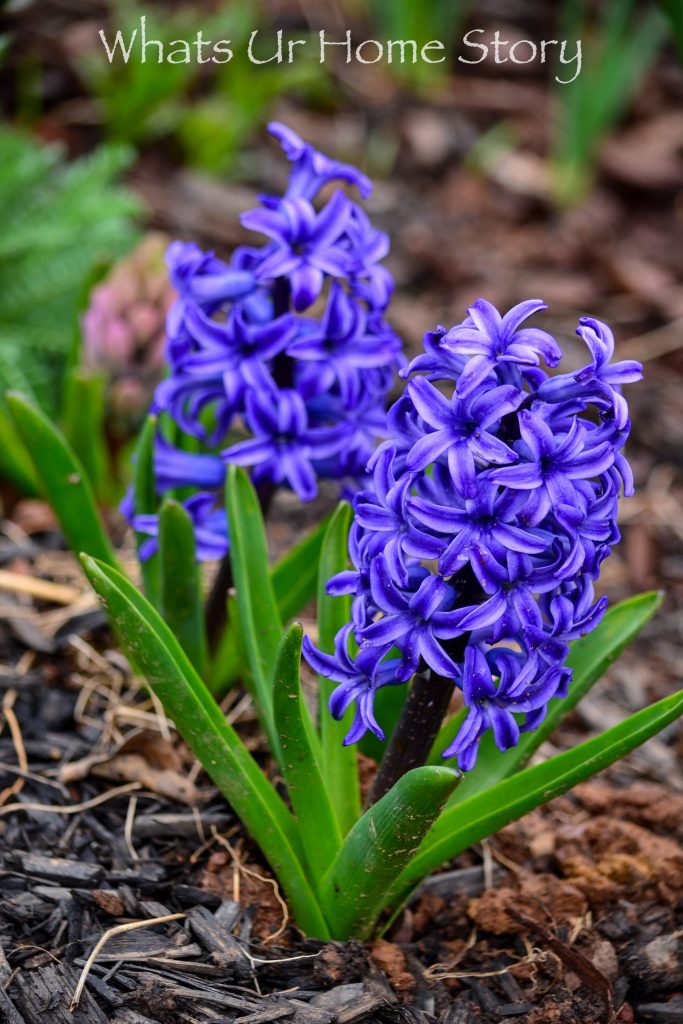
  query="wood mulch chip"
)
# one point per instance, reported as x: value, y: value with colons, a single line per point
x: 130, y: 895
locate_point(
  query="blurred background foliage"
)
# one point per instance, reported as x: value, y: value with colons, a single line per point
x: 95, y: 153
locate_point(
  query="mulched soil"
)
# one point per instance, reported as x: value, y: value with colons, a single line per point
x: 574, y: 914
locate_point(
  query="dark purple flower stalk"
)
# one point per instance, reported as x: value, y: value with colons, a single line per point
x: 492, y: 506
x: 259, y: 378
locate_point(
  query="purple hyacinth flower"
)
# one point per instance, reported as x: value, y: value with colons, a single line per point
x: 439, y: 361
x: 494, y: 705
x: 284, y: 445
x: 312, y: 169
x: 174, y: 467
x: 551, y: 464
x: 359, y: 680
x: 513, y: 586
x: 383, y: 511
x: 307, y: 244
x: 414, y: 622
x: 565, y: 622
x: 367, y: 247
x: 201, y: 277
x: 491, y: 339
x: 512, y: 483
x: 346, y: 339
x: 459, y: 429
x: 599, y: 380
x: 210, y: 528
x: 186, y: 398
x: 237, y: 346
x: 488, y: 521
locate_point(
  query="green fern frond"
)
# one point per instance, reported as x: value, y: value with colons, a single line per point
x: 60, y: 222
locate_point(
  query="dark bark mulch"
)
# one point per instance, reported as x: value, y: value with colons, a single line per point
x: 572, y: 915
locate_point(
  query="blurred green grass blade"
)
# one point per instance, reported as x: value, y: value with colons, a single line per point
x: 674, y: 12
x: 15, y: 464
x: 146, y: 502
x: 378, y: 848
x: 619, y: 49
x: 259, y: 616
x: 83, y: 422
x: 180, y: 582
x: 590, y: 657
x: 295, y: 575
x: 62, y: 479
x: 485, y: 813
x: 318, y: 826
x: 340, y: 766
x: 151, y: 645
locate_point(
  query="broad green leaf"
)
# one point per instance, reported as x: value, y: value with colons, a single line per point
x: 590, y: 657
x: 294, y: 578
x: 226, y: 666
x: 378, y: 848
x: 485, y: 813
x: 295, y: 575
x: 340, y: 766
x: 151, y: 645
x: 318, y: 825
x: 84, y: 414
x: 181, y: 600
x: 259, y: 617
x: 674, y: 11
x: 146, y: 502
x: 15, y: 464
x: 62, y: 479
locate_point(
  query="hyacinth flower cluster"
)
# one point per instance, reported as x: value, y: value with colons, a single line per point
x: 286, y: 343
x: 492, y: 506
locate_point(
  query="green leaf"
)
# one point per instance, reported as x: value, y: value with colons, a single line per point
x: 151, y: 645
x: 62, y: 479
x: 259, y: 616
x: 294, y: 579
x: 226, y: 666
x: 674, y: 12
x: 84, y: 414
x: 340, y: 766
x: 295, y: 575
x: 15, y: 464
x: 146, y: 502
x: 318, y: 826
x: 181, y: 600
x: 481, y: 815
x: 379, y: 846
x: 590, y: 657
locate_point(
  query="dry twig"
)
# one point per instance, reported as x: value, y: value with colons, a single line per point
x: 118, y: 930
x: 87, y: 805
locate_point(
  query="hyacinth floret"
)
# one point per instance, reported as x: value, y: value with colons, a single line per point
x: 492, y: 504
x: 281, y: 357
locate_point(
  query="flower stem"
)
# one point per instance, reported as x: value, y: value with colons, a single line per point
x: 415, y: 732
